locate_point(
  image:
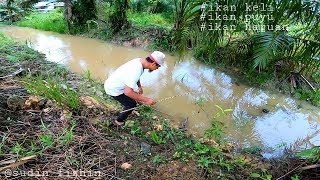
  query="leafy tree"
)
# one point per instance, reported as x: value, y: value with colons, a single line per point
x: 118, y: 18
x: 186, y: 14
x: 152, y: 6
x: 12, y: 9
x: 78, y: 13
x: 27, y: 4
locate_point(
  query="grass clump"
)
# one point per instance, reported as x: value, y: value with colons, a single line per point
x: 68, y: 134
x: 53, y: 89
x: 5, y: 41
x: 50, y: 21
x: 312, y: 154
x: 148, y: 20
x: 14, y: 52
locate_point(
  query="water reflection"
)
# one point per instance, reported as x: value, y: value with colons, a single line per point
x: 202, y: 80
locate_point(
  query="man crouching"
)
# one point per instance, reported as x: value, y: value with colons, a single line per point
x: 123, y: 80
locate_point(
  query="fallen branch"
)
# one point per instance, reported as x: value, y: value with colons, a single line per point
x: 310, y: 85
x: 16, y: 163
x: 289, y: 172
x: 13, y: 74
x: 310, y: 167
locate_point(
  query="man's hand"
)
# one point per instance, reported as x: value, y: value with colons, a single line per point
x: 150, y: 102
x: 140, y: 90
x: 133, y: 95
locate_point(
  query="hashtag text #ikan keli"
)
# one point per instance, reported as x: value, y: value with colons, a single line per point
x: 249, y: 7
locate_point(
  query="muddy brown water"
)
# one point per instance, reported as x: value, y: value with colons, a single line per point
x: 198, y: 90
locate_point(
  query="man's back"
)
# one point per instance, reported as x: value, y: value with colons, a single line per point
x: 127, y: 74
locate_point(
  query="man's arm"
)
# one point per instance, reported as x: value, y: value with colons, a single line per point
x: 133, y: 95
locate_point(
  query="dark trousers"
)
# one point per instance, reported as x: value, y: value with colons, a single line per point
x: 128, y: 103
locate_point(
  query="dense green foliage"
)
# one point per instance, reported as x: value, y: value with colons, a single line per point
x: 312, y: 154
x: 281, y: 42
x: 152, y: 6
x: 148, y: 20
x: 118, y: 17
x: 51, y: 21
x: 83, y: 11
x: 267, y: 45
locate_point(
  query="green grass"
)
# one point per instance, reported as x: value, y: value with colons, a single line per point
x: 51, y: 21
x: 53, y: 88
x: 5, y: 41
x: 312, y: 155
x: 148, y: 20
x: 68, y: 134
x: 15, y: 52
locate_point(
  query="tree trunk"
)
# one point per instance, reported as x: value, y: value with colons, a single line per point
x: 119, y: 18
x: 68, y: 14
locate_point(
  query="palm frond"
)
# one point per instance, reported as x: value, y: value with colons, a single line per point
x: 267, y: 46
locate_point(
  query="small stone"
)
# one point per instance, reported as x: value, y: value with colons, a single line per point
x: 64, y: 86
x: 126, y: 166
x: 46, y: 110
x: 159, y: 127
x: 90, y: 102
x: 247, y: 159
x: 175, y: 126
x: 99, y: 93
x: 145, y: 148
x: 15, y: 102
x: 135, y: 113
x: 228, y: 155
x: 65, y: 115
x: 49, y: 103
x: 32, y: 103
x: 155, y: 117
